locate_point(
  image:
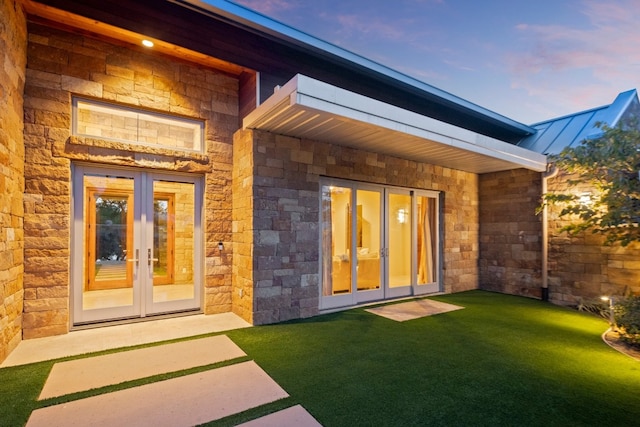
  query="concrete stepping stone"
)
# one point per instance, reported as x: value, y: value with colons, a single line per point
x: 296, y: 416
x: 183, y: 401
x: 99, y: 371
x: 413, y: 309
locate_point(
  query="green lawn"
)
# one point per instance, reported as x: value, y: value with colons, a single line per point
x: 503, y: 360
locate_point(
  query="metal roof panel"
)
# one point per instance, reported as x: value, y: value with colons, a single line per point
x: 554, y: 135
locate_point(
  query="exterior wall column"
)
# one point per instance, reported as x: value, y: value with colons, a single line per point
x: 275, y: 228
x: 13, y: 48
x: 242, y: 225
x: 511, y: 232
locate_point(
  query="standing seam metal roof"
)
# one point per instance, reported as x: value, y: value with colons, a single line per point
x: 552, y: 136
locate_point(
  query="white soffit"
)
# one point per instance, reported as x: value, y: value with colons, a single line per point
x: 310, y: 109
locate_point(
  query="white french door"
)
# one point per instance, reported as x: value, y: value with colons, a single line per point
x: 136, y: 243
x: 377, y: 242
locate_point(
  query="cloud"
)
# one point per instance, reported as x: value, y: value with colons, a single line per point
x: 603, y: 54
x: 269, y: 7
x: 368, y: 27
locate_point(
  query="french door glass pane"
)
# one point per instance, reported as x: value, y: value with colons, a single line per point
x: 399, y: 240
x: 173, y: 241
x: 368, y: 239
x: 108, y: 239
x: 336, y: 240
x: 426, y: 207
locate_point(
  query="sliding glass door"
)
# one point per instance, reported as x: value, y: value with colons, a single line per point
x: 377, y: 242
x: 399, y: 238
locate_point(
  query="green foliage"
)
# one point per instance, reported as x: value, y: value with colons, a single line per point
x: 609, y: 165
x: 627, y: 315
x: 599, y: 308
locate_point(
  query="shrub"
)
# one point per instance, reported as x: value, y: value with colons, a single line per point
x: 627, y: 316
x: 599, y: 308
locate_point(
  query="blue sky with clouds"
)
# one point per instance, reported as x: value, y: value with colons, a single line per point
x: 528, y: 60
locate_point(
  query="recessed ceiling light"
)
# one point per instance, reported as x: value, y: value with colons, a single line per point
x: 147, y: 43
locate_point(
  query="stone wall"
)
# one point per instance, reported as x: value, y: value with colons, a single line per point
x: 511, y: 232
x: 13, y: 42
x: 582, y: 267
x: 62, y: 64
x: 282, y: 176
x: 243, y: 244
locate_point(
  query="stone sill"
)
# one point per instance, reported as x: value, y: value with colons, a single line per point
x: 123, y: 154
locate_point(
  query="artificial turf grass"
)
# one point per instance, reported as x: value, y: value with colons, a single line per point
x: 502, y: 360
x: 19, y: 390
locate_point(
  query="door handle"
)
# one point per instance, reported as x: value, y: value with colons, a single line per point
x: 136, y: 259
x: 149, y: 259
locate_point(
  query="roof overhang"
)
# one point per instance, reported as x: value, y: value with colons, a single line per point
x: 236, y: 39
x: 311, y: 109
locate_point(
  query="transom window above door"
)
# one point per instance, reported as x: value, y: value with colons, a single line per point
x: 97, y: 119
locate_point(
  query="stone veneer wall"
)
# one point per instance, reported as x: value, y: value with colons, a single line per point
x: 61, y: 64
x: 242, y: 215
x: 582, y: 267
x: 13, y: 43
x: 280, y: 279
x: 511, y: 232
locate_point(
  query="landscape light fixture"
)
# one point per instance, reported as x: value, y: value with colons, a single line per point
x: 612, y: 320
x: 220, y: 246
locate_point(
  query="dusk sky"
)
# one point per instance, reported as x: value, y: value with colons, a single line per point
x: 527, y: 60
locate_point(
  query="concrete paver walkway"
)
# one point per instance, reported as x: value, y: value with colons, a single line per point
x: 296, y: 416
x: 180, y: 401
x: 94, y: 372
x: 184, y: 401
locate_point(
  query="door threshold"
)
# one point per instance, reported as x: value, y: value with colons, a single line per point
x: 378, y: 302
x: 126, y: 321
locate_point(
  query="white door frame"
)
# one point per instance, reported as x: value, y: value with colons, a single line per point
x: 142, y: 289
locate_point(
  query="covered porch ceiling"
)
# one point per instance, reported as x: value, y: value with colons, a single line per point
x: 311, y: 109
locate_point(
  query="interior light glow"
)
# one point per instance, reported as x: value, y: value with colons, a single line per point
x: 403, y: 215
x: 147, y: 43
x: 585, y: 199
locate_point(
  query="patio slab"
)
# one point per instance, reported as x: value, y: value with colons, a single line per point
x: 413, y: 309
x: 100, y: 371
x: 183, y: 401
x: 98, y: 339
